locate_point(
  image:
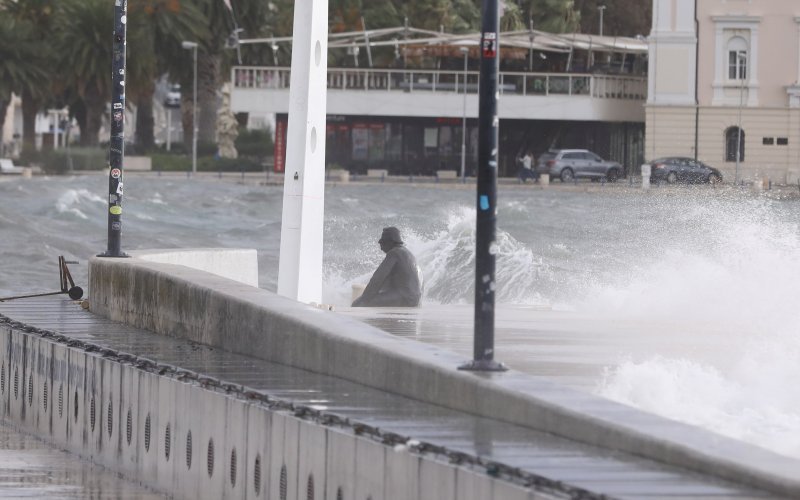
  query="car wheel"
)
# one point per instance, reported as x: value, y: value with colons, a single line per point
x: 613, y: 175
x: 672, y: 178
x: 714, y: 179
x: 567, y: 175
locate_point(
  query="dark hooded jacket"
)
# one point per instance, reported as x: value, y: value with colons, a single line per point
x: 396, y: 282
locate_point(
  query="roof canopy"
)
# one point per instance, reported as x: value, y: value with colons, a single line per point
x: 437, y: 43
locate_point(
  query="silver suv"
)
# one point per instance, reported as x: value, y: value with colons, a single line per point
x: 569, y: 164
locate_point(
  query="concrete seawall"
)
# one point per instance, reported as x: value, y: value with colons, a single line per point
x: 192, y: 439
x: 188, y: 303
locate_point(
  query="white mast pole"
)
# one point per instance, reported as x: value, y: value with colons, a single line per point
x: 300, y: 267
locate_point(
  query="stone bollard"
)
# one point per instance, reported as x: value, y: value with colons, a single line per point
x: 645, y: 176
x: 544, y: 179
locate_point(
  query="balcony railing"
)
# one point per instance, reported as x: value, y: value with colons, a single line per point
x: 511, y: 83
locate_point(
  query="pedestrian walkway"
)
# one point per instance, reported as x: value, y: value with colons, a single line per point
x: 551, y: 465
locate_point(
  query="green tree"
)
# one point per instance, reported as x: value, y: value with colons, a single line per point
x: 620, y: 18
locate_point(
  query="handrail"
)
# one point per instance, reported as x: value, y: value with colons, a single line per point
x: 421, y: 80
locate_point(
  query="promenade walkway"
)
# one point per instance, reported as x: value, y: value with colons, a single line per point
x: 551, y: 466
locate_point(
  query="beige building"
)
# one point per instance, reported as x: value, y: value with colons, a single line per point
x: 721, y: 66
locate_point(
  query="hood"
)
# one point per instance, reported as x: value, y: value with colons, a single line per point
x: 391, y: 235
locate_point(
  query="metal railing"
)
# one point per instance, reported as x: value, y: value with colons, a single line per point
x: 511, y: 83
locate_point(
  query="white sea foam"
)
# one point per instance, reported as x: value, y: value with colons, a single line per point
x: 157, y: 199
x: 727, y: 293
x: 758, y: 401
x: 71, y: 199
x: 447, y: 261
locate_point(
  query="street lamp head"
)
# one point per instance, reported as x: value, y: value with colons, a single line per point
x: 188, y: 45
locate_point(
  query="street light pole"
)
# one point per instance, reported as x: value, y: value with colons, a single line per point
x: 486, y: 215
x: 465, y: 51
x: 742, y: 60
x: 193, y: 47
x: 116, y: 153
x: 601, y: 9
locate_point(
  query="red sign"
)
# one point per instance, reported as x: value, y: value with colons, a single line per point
x: 280, y: 146
x: 489, y: 45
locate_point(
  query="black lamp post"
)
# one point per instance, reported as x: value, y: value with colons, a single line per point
x: 486, y: 219
x: 117, y: 139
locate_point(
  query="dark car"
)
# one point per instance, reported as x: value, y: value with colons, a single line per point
x: 679, y: 169
x: 569, y: 164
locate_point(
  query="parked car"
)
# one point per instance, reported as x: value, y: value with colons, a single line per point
x: 569, y: 164
x: 679, y: 169
x: 173, y: 98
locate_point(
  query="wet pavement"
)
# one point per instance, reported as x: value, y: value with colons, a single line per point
x: 30, y: 468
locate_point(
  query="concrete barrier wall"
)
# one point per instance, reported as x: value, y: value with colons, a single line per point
x: 237, y: 264
x: 192, y: 442
x: 173, y: 300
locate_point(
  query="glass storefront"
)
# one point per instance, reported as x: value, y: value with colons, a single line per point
x: 421, y: 146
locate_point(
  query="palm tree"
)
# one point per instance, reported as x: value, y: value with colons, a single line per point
x: 214, y: 60
x: 554, y: 16
x: 35, y: 19
x: 18, y: 54
x: 84, y: 29
x: 155, y: 31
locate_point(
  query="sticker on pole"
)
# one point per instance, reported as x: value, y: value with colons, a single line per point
x: 115, y: 210
x: 489, y: 45
x: 115, y: 173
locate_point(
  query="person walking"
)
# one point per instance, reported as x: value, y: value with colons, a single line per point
x: 526, y: 171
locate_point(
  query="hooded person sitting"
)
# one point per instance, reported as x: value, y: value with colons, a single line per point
x: 396, y: 282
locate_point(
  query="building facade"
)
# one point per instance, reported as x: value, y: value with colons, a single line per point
x: 555, y: 91
x: 724, y: 86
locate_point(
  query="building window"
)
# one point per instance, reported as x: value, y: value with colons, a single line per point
x: 377, y: 144
x: 737, y: 58
x: 768, y: 141
x: 737, y: 64
x: 783, y: 141
x: 360, y: 141
x: 394, y: 141
x: 734, y: 139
